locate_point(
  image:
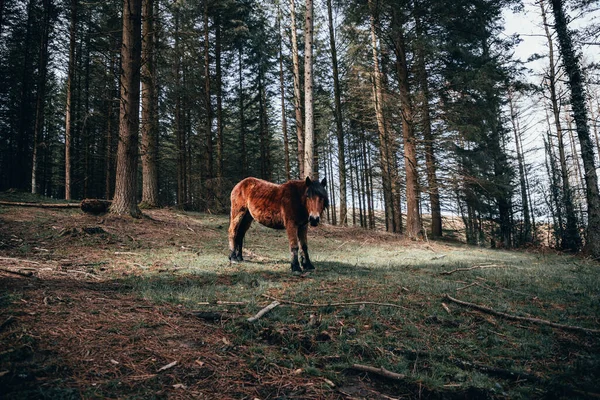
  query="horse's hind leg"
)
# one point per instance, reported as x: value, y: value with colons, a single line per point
x: 241, y: 233
x: 304, y: 259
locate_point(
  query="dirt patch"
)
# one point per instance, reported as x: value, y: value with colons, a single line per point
x: 68, y: 338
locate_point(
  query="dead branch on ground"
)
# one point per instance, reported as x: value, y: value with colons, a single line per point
x: 472, y: 268
x: 537, y: 321
x: 27, y: 274
x: 379, y: 371
x: 264, y: 311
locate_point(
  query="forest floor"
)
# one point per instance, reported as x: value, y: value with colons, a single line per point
x: 110, y: 307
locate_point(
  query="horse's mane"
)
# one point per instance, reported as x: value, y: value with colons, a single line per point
x: 318, y: 190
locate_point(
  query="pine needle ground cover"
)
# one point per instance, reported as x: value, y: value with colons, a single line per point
x: 96, y: 307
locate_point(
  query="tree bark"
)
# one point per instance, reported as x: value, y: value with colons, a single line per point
x: 381, y: 126
x: 309, y: 123
x: 149, y: 108
x: 526, y: 236
x: 244, y: 156
x: 414, y: 225
x: 571, y: 65
x: 430, y: 161
x: 338, y: 120
x: 41, y: 92
x: 286, y: 147
x: 69, y: 104
x: 219, y: 82
x: 209, y: 139
x: 125, y: 200
x: 297, y: 93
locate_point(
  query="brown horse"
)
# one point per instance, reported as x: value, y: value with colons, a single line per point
x: 290, y: 206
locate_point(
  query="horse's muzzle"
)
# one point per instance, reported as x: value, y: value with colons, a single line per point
x: 314, y: 221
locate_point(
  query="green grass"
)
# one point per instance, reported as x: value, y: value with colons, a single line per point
x: 446, y: 353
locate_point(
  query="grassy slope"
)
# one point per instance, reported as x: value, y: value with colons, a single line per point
x: 434, y: 348
x: 182, y: 259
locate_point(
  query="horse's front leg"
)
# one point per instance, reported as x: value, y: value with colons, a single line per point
x: 292, y: 232
x: 304, y: 258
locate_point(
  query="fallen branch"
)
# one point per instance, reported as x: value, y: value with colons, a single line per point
x: 472, y: 268
x: 40, y: 205
x: 264, y: 311
x: 28, y: 274
x: 352, y: 303
x: 379, y: 371
x: 18, y: 259
x: 522, y: 319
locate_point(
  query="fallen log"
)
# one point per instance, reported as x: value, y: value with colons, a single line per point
x: 39, y: 205
x: 95, y: 206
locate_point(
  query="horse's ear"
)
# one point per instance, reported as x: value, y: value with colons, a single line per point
x: 308, y: 181
x: 324, y: 182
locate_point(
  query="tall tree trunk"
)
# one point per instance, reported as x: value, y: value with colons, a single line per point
x: 219, y: 82
x: 179, y: 118
x: 526, y: 237
x: 149, y: 108
x: 338, y: 119
x: 414, y: 225
x: 286, y: 147
x: 244, y: 156
x: 571, y: 64
x: 41, y: 92
x: 328, y: 161
x: 297, y: 93
x: 125, y: 200
x: 571, y: 239
x: 309, y: 123
x: 69, y: 108
x: 209, y: 139
x: 265, y: 153
x: 381, y: 126
x: 430, y: 161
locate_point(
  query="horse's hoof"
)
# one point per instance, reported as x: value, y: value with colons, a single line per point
x: 239, y: 259
x: 297, y: 273
x: 308, y: 267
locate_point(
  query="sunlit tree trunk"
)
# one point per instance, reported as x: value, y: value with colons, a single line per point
x: 297, y: 93
x: 338, y: 119
x: 430, y: 160
x: 286, y: 147
x: 381, y: 126
x: 414, y: 225
x: 309, y: 125
x: 125, y: 200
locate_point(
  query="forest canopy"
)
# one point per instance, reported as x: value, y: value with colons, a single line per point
x: 412, y: 110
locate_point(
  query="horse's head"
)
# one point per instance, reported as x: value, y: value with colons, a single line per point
x: 316, y: 200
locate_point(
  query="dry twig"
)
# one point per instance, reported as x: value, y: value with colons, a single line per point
x: 264, y: 311
x: 537, y: 321
x: 379, y: 371
x: 473, y: 267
